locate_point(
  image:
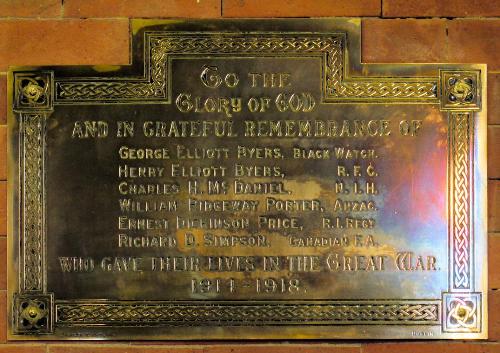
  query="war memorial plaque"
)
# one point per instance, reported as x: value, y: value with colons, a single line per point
x: 247, y: 180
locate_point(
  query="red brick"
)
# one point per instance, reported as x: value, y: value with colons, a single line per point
x: 3, y: 208
x: 287, y: 348
x: 164, y: 349
x: 494, y: 315
x: 3, y: 153
x: 3, y: 316
x: 493, y: 205
x: 22, y: 348
x: 405, y: 40
x: 426, y: 347
x: 3, y: 99
x: 300, y: 8
x: 121, y: 348
x: 440, y: 8
x: 88, y: 348
x: 3, y: 263
x: 493, y: 151
x: 493, y: 98
x: 30, y: 8
x: 205, y: 348
x: 494, y: 261
x: 134, y: 8
x: 436, y: 40
x: 62, y: 42
x: 474, y: 41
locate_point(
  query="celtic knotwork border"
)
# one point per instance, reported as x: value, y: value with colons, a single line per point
x: 159, y: 46
x: 32, y: 130
x: 461, y: 127
x: 247, y: 314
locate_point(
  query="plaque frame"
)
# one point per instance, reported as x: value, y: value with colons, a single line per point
x: 459, y: 90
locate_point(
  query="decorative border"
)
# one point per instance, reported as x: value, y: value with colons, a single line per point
x: 32, y: 305
x: 32, y: 237
x: 462, y: 312
x: 153, y: 87
x: 247, y: 314
x: 461, y: 126
x: 33, y: 313
x: 460, y: 90
x: 33, y: 91
x: 460, y: 96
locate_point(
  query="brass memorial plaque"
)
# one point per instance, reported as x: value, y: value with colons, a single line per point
x: 247, y: 179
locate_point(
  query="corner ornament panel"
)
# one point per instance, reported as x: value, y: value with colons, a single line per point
x: 242, y: 182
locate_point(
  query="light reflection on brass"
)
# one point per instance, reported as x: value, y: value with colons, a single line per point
x: 239, y: 182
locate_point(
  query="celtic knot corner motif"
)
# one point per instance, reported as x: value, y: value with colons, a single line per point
x: 460, y: 90
x: 33, y: 313
x: 33, y: 91
x: 462, y: 312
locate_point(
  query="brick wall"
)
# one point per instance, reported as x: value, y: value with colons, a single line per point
x: 77, y: 32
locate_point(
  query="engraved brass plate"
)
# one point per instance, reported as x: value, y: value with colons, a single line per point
x: 247, y: 180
